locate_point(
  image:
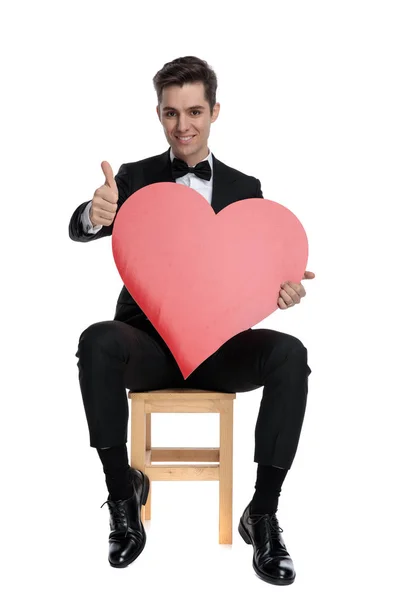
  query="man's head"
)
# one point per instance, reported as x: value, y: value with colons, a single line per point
x: 186, y: 92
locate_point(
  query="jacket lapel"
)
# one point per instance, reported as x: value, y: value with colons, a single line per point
x: 159, y: 170
x: 223, y: 190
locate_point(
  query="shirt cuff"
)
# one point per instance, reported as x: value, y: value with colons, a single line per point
x: 88, y: 226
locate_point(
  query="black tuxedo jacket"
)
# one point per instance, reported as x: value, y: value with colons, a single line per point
x: 229, y: 185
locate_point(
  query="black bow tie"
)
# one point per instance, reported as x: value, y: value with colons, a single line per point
x: 180, y: 168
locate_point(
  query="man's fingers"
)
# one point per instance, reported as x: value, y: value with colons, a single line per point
x: 108, y: 173
x: 285, y: 297
x: 289, y: 294
x: 106, y: 206
x: 282, y: 304
x: 105, y: 218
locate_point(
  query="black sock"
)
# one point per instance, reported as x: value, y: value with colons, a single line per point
x: 268, y: 488
x: 117, y: 471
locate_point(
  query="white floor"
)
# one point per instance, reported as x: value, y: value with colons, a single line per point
x: 335, y: 543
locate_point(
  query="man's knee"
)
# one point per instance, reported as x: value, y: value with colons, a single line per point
x: 294, y: 349
x: 296, y: 345
x: 289, y: 344
x: 95, y: 336
x: 297, y: 349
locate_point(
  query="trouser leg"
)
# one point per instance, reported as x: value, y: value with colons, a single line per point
x: 113, y: 357
x: 278, y: 362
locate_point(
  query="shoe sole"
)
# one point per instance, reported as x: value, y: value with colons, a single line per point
x: 143, y: 500
x: 261, y: 575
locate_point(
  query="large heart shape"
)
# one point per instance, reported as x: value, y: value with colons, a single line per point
x: 202, y: 277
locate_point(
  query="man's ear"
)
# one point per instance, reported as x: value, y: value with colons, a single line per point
x: 158, y: 112
x: 215, y: 113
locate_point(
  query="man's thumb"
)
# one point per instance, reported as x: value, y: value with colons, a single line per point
x: 108, y: 173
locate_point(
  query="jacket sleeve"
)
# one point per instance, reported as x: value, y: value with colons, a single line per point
x: 86, y: 222
x: 76, y: 230
x: 259, y: 193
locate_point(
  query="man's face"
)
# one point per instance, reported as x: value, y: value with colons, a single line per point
x: 184, y: 112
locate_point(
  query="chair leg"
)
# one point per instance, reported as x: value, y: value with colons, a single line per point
x: 147, y: 510
x: 138, y: 438
x: 225, y: 472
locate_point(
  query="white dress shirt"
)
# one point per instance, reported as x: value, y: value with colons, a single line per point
x: 202, y: 186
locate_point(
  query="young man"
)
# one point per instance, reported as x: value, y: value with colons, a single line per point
x: 128, y: 352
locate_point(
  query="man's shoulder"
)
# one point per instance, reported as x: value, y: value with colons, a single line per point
x: 234, y: 173
x: 144, y: 162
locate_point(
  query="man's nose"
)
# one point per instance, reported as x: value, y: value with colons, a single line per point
x: 183, y: 124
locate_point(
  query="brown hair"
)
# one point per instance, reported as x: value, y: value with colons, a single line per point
x: 187, y: 69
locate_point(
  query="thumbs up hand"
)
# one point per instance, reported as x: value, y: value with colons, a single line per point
x: 105, y: 199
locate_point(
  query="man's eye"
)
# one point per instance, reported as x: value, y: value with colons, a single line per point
x: 173, y: 112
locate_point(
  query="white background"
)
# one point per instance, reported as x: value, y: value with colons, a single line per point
x: 309, y: 104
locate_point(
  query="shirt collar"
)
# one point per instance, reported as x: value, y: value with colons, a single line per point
x: 209, y: 157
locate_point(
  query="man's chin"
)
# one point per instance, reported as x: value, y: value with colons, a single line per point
x: 187, y: 148
x: 184, y: 151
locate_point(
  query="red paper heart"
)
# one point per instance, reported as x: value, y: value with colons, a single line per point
x: 202, y: 277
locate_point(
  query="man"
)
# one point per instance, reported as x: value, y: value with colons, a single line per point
x: 128, y: 353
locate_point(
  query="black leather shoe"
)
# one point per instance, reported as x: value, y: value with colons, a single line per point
x: 128, y: 537
x: 271, y: 560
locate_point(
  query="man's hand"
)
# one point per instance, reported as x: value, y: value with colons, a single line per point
x: 105, y: 199
x: 291, y: 293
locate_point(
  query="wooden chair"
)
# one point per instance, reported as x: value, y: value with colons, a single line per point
x: 143, y: 454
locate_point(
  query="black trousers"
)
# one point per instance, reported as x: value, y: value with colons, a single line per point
x: 115, y: 356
